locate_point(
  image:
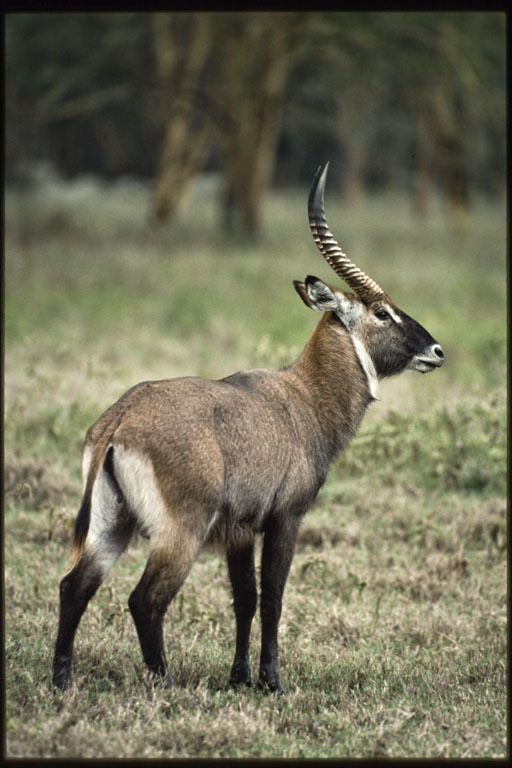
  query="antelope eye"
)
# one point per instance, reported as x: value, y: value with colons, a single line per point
x: 381, y: 314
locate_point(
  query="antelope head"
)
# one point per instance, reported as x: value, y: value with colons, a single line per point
x: 387, y: 341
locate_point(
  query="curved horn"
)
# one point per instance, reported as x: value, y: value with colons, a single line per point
x: 364, y: 286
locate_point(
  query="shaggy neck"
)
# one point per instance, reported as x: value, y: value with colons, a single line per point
x: 335, y: 384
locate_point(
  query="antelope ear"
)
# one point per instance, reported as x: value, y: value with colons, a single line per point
x: 316, y: 294
x: 301, y: 290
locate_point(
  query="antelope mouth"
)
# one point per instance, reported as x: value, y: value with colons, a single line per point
x: 425, y: 366
x: 432, y: 358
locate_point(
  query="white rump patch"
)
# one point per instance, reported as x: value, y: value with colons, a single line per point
x: 105, y: 510
x: 137, y: 481
x: 366, y: 364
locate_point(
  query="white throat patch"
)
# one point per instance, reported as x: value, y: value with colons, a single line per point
x: 366, y: 364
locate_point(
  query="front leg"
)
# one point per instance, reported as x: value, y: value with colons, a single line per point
x: 278, y: 547
x: 243, y: 582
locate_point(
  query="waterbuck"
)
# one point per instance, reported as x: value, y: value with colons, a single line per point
x: 191, y: 461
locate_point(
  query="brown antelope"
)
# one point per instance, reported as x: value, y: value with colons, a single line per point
x: 191, y: 461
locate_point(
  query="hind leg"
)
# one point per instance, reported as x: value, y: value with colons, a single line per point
x: 77, y: 588
x: 245, y: 598
x: 278, y: 545
x: 166, y: 570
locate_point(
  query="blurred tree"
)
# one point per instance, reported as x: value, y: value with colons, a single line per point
x: 446, y: 77
x: 403, y: 97
x: 253, y: 76
x: 415, y: 100
x: 435, y: 94
x: 236, y: 104
x: 182, y: 43
x: 76, y: 91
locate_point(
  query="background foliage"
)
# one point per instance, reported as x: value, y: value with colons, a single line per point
x: 412, y: 101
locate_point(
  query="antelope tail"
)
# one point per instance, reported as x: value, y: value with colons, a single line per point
x: 81, y: 528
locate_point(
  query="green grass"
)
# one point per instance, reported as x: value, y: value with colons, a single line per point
x: 393, y: 635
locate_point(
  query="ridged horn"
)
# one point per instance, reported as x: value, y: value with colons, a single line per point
x: 364, y: 286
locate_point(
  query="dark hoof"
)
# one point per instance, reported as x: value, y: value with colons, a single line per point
x: 167, y: 681
x: 270, y: 679
x: 240, y: 675
x: 271, y: 687
x: 160, y: 678
x: 61, y: 676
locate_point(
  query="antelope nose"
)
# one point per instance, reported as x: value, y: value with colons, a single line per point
x: 438, y: 352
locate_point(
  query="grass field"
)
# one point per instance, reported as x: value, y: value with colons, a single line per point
x: 393, y: 635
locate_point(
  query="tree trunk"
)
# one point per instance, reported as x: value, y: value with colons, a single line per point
x: 235, y: 42
x: 448, y: 126
x: 350, y: 137
x: 256, y: 64
x: 266, y: 120
x: 455, y: 182
x: 183, y: 144
x: 422, y: 169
